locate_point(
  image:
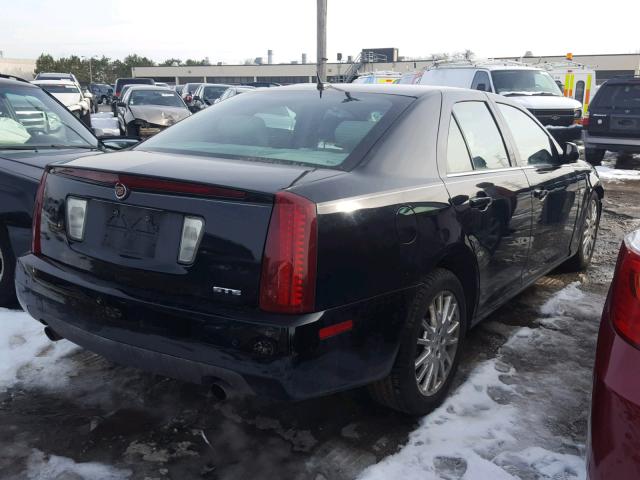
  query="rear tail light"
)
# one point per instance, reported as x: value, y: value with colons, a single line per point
x: 585, y: 121
x: 288, y: 282
x: 189, y: 97
x: 76, y: 215
x: 625, y: 290
x: 37, y: 215
x: 191, y: 235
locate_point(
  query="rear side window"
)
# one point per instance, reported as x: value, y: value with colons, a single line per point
x: 618, y: 96
x: 579, y: 91
x: 532, y: 143
x: 482, y: 135
x: 458, y: 159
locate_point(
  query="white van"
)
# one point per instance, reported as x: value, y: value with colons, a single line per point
x: 532, y: 87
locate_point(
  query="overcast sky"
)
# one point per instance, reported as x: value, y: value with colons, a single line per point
x: 232, y: 31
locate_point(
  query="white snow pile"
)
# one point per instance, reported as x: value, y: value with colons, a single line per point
x: 608, y: 173
x: 105, y: 124
x: 47, y: 467
x: 506, y: 421
x: 27, y: 356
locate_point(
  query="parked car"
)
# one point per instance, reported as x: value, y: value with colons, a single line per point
x: 178, y: 89
x: 121, y: 82
x: 35, y: 129
x: 409, y: 78
x: 614, y: 432
x: 102, y: 92
x: 378, y: 77
x: 614, y: 119
x: 531, y: 87
x: 300, y: 259
x: 206, y: 95
x: 187, y: 92
x: 72, y: 78
x: 70, y: 96
x: 233, y: 91
x: 262, y: 84
x: 146, y: 110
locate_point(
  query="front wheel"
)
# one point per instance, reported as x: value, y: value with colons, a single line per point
x: 582, y: 258
x: 430, y: 347
x: 594, y: 155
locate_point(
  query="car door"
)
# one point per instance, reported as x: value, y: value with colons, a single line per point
x: 557, y: 189
x: 490, y: 194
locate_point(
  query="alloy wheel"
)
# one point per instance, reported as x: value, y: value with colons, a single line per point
x: 590, y: 229
x: 437, y: 343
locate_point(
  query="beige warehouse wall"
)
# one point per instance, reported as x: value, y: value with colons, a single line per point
x: 19, y: 67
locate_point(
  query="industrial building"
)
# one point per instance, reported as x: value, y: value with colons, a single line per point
x: 606, y: 66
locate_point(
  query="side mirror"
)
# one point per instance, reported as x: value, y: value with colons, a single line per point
x: 570, y: 153
x: 482, y: 87
x: 121, y: 104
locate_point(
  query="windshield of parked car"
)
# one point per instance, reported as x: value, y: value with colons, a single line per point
x: 299, y: 127
x: 524, y: 81
x: 166, y: 98
x: 212, y: 93
x: 190, y: 87
x: 618, y: 96
x: 61, y: 88
x: 31, y: 118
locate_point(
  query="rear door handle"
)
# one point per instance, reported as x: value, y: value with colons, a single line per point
x: 540, y: 193
x: 481, y: 203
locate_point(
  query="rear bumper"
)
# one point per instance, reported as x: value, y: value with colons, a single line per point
x: 277, y: 356
x: 615, y: 144
x: 614, y: 434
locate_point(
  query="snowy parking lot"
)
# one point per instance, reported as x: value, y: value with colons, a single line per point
x: 518, y: 409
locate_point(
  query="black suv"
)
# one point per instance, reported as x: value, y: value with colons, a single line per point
x: 614, y: 119
x: 102, y: 93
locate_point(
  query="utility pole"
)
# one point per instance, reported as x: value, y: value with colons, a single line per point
x: 322, y: 41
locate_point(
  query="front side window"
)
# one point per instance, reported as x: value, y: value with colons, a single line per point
x: 30, y: 118
x: 213, y: 93
x: 481, y: 81
x: 533, y: 144
x: 524, y: 82
x: 482, y: 135
x: 458, y: 159
x: 284, y: 127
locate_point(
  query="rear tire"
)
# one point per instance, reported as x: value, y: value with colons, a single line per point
x: 7, y: 271
x: 434, y: 339
x: 594, y: 155
x: 588, y: 235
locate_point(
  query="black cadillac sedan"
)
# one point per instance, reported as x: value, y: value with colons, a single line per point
x: 293, y: 242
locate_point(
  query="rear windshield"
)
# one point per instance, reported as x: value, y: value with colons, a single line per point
x: 618, y: 96
x: 121, y: 82
x: 286, y: 127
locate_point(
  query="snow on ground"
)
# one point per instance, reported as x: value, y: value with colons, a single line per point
x: 609, y: 173
x: 27, y: 356
x: 494, y: 425
x: 48, y: 467
x: 105, y: 124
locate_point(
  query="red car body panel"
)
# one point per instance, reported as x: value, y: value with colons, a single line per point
x: 613, y: 452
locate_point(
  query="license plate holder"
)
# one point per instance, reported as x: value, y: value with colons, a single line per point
x: 132, y: 231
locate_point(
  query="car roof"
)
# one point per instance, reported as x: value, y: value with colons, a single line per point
x: 11, y: 80
x: 216, y: 85
x: 623, y: 80
x: 62, y: 81
x: 146, y: 87
x: 50, y: 74
x: 408, y: 90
